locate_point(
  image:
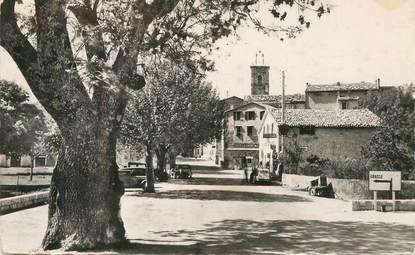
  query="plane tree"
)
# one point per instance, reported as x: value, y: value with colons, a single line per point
x: 80, y: 58
x: 176, y: 107
x: 22, y: 124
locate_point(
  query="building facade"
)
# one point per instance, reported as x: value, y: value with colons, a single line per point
x: 334, y: 135
x: 259, y: 80
x: 338, y: 96
x: 44, y: 160
x: 241, y: 135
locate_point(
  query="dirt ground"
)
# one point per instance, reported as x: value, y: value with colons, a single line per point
x: 216, y: 213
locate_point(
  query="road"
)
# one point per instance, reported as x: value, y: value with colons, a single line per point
x: 215, y: 213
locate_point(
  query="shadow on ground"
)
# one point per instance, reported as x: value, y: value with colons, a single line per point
x: 215, y: 181
x: 282, y: 237
x: 208, y: 170
x: 223, y: 195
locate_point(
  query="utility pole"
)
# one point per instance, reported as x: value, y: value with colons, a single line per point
x: 282, y: 107
x: 282, y: 154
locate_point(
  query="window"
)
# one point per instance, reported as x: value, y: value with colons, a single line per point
x: 40, y: 161
x: 237, y: 115
x: 15, y: 160
x: 261, y: 115
x: 344, y: 105
x: 239, y: 131
x: 250, y: 115
x: 307, y: 130
x: 250, y: 131
x: 259, y: 79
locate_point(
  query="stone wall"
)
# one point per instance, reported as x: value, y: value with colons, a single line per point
x: 327, y: 100
x: 261, y: 88
x: 383, y: 205
x: 233, y: 158
x: 12, y: 204
x: 332, y: 143
x: 350, y: 188
x: 322, y: 100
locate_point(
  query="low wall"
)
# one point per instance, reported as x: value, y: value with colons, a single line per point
x: 350, y: 188
x: 11, y: 204
x: 368, y: 205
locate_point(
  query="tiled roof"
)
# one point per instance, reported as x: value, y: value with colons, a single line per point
x: 275, y: 100
x: 232, y: 98
x: 322, y: 118
x: 341, y: 86
x: 266, y: 106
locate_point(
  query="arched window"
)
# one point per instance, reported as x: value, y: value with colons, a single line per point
x: 259, y: 79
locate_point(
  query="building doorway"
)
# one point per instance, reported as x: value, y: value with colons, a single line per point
x: 15, y: 160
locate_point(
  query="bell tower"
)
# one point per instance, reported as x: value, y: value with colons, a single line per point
x: 259, y: 76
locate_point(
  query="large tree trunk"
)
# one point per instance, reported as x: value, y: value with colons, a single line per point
x: 85, y: 190
x: 172, y: 159
x: 161, y: 158
x: 150, y: 171
x: 84, y: 203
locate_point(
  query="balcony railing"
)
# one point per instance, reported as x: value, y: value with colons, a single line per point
x: 269, y: 135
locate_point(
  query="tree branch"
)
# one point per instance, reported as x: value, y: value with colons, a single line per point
x: 38, y: 67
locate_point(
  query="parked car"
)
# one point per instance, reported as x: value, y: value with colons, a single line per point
x: 182, y: 172
x: 319, y: 188
x: 133, y: 177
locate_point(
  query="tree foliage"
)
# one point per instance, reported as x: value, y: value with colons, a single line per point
x: 392, y: 147
x: 22, y: 124
x: 176, y: 108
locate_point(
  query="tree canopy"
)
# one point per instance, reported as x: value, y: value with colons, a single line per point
x: 21, y: 123
x: 392, y: 147
x: 174, y: 109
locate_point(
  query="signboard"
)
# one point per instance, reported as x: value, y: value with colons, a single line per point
x: 385, y: 180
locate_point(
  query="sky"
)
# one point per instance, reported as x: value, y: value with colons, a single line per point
x: 360, y: 40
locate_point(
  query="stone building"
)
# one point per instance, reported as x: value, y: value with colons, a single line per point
x: 295, y: 101
x: 333, y: 135
x: 43, y: 160
x: 240, y: 134
x: 259, y: 80
x: 259, y: 76
x: 338, y: 95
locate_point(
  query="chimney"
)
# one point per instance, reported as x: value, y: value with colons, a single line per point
x: 378, y: 83
x: 307, y: 84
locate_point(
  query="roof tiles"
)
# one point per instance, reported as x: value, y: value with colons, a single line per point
x: 341, y: 87
x: 324, y: 118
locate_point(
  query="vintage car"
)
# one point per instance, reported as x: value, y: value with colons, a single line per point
x: 320, y: 188
x: 133, y: 177
x: 182, y: 172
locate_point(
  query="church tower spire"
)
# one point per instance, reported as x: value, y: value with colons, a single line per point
x: 259, y: 76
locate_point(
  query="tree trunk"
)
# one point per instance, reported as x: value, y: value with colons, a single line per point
x: 161, y: 158
x: 32, y: 165
x: 85, y: 192
x: 172, y: 159
x: 150, y: 171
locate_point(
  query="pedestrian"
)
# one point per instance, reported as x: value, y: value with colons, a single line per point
x: 246, y: 174
x: 254, y: 174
